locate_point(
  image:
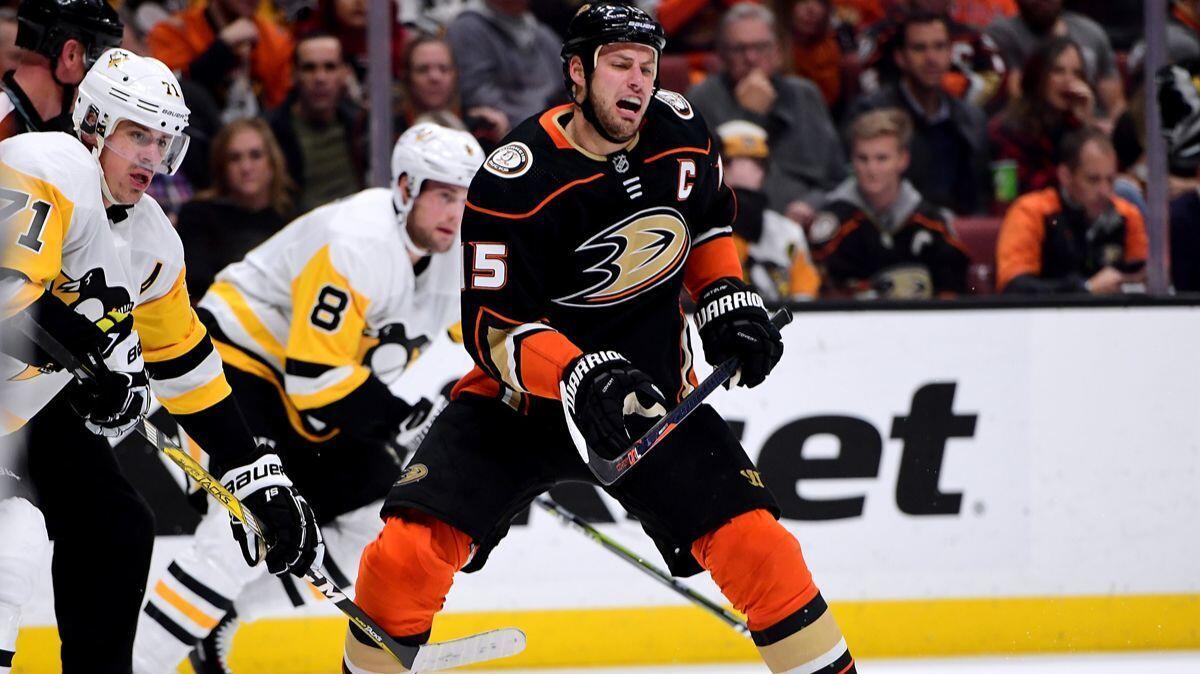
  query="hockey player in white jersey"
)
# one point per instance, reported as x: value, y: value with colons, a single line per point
x: 92, y: 256
x: 315, y: 324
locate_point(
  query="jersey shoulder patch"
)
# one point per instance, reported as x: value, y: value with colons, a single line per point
x: 511, y: 160
x: 678, y: 104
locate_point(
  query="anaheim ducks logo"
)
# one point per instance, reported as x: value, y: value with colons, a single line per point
x: 644, y: 250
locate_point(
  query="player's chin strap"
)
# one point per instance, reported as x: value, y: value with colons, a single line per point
x: 402, y: 219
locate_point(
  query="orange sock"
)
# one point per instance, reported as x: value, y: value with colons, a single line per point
x: 759, y: 567
x: 406, y: 572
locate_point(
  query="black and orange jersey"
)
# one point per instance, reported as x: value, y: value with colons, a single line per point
x: 565, y: 251
x: 908, y: 252
x: 1046, y: 246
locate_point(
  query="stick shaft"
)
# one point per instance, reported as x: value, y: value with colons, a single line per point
x: 403, y: 654
x: 641, y: 564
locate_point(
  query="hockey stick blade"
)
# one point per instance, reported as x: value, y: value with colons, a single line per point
x: 481, y: 647
x: 609, y: 471
x: 475, y: 648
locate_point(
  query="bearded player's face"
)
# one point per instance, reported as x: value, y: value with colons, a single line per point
x: 621, y: 87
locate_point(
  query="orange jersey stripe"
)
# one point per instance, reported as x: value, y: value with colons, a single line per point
x: 553, y: 195
x: 714, y: 259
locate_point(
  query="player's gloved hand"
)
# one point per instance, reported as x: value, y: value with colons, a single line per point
x: 293, y: 542
x: 734, y: 324
x: 415, y: 426
x: 608, y: 403
x: 112, y: 402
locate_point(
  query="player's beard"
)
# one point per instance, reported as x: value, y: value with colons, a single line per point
x: 617, y: 129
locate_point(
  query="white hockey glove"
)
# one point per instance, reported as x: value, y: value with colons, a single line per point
x: 293, y: 542
x: 608, y: 403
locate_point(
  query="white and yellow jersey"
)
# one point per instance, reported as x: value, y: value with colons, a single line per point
x: 134, y: 263
x: 56, y: 239
x: 306, y: 307
x: 185, y: 370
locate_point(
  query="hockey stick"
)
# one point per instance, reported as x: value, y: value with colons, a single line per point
x: 429, y: 657
x: 576, y: 522
x: 609, y: 471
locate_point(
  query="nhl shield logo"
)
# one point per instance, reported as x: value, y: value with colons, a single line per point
x: 621, y: 163
x: 509, y: 161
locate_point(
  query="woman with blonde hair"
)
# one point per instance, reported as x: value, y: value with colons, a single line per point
x: 250, y: 200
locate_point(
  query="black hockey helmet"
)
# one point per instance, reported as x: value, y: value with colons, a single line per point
x: 601, y: 23
x: 43, y: 26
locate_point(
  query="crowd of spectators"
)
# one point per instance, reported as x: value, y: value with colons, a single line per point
x: 879, y: 148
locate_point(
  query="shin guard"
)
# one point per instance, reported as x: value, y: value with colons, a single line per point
x: 759, y: 567
x: 403, y: 579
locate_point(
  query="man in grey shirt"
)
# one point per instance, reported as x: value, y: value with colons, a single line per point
x: 1019, y: 36
x: 807, y: 159
x: 507, y: 59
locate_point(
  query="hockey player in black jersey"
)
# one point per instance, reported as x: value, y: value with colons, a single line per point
x: 580, y: 233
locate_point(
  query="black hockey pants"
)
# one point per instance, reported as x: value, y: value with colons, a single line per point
x: 103, y: 535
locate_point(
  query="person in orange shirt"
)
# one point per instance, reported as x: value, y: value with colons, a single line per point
x: 243, y: 60
x: 1077, y: 237
x: 819, y: 45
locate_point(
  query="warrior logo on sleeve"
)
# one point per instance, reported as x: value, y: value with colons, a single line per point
x: 643, y: 251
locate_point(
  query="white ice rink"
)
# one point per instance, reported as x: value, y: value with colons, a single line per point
x: 1148, y: 663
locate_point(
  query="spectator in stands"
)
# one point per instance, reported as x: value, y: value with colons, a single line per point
x: 1055, y: 99
x: 320, y: 129
x: 1183, y: 35
x: 859, y: 13
x: 248, y: 202
x: 877, y: 237
x: 773, y: 249
x: 976, y: 72
x: 242, y: 60
x: 949, y: 164
x: 692, y: 25
x: 1039, y: 20
x: 807, y: 156
x: 1078, y: 237
x: 347, y: 21
x: 431, y: 93
x: 981, y: 13
x: 507, y: 59
x: 1185, y: 242
x: 10, y: 54
x: 819, y: 45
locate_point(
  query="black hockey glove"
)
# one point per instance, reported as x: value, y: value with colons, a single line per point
x: 111, y: 403
x: 293, y: 542
x: 734, y: 324
x: 608, y: 403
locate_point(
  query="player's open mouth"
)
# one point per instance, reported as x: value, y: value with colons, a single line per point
x: 630, y: 104
x: 140, y: 179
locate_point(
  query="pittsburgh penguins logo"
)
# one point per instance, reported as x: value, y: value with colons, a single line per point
x: 92, y: 296
x: 642, y: 251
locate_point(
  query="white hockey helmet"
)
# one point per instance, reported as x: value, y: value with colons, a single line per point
x: 125, y: 86
x: 427, y: 151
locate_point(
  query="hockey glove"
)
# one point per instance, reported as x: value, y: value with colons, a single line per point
x: 608, y: 403
x: 416, y: 425
x: 293, y: 540
x: 734, y: 324
x: 111, y: 403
